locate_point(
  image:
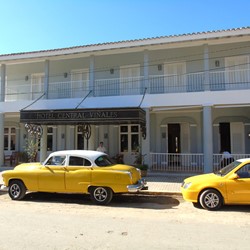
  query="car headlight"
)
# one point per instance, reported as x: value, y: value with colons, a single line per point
x: 187, y: 185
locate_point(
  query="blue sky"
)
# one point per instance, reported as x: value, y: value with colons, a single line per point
x: 30, y: 25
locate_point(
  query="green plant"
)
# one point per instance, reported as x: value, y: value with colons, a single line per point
x: 143, y: 167
x: 31, y: 148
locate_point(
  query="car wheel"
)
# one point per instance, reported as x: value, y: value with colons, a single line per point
x: 101, y: 195
x: 211, y: 199
x: 17, y: 190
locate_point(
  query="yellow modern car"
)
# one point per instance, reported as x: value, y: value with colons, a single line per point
x: 74, y: 171
x: 230, y: 185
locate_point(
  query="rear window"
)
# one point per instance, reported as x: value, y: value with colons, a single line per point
x: 104, y: 161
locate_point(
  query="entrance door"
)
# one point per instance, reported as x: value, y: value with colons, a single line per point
x: 129, y: 142
x: 174, y: 145
x: 225, y: 141
x: 232, y: 137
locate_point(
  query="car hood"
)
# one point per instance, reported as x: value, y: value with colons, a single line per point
x: 203, y: 178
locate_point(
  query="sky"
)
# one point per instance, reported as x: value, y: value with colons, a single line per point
x: 33, y: 25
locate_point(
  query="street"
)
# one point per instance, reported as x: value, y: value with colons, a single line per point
x: 60, y: 221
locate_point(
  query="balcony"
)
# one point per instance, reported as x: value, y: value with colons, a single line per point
x: 156, y: 84
x: 185, y: 163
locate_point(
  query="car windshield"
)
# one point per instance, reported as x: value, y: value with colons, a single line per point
x: 228, y: 168
x: 104, y: 161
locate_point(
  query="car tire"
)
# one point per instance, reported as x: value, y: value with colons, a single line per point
x: 101, y: 195
x: 17, y: 190
x: 211, y: 199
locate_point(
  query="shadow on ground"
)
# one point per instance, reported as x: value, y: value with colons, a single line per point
x: 125, y: 200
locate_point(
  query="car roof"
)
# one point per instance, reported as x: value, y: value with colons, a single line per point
x: 243, y: 159
x: 86, y: 153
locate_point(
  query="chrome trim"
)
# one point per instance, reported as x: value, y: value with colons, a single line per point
x: 137, y: 187
x: 3, y: 188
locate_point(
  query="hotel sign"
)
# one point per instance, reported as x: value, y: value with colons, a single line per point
x: 78, y: 116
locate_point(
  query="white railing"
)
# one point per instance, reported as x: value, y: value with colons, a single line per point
x: 157, y: 84
x: 218, y: 162
x: 185, y: 163
x: 16, y: 92
x: 68, y: 89
x: 230, y: 79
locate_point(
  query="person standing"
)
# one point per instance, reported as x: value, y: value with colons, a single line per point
x: 101, y: 148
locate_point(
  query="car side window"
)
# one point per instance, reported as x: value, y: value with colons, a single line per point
x: 244, y: 172
x: 56, y: 160
x: 78, y: 161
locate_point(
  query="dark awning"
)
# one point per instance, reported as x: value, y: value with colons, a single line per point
x: 86, y: 116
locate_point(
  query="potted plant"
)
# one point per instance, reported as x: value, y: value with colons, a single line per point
x: 139, y: 163
x: 143, y: 168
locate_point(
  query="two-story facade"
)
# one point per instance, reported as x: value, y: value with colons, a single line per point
x: 179, y: 100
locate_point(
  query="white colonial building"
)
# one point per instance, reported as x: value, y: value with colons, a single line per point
x: 178, y: 100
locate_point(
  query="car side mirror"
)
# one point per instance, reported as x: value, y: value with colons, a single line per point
x: 233, y: 177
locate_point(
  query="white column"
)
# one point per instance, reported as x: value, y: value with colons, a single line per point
x: 92, y: 139
x: 1, y: 141
x: 43, y: 144
x: 18, y: 139
x: 208, y: 139
x: 145, y: 69
x: 92, y: 74
x: 70, y: 137
x: 206, y: 68
x: 146, y: 142
x: 46, y: 78
x: 2, y: 86
x: 54, y: 144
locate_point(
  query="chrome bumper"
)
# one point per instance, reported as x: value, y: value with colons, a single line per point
x: 3, y: 188
x: 140, y: 185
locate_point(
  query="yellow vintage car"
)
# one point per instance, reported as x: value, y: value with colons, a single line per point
x: 74, y: 171
x: 230, y: 185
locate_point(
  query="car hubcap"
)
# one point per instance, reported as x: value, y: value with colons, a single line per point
x: 100, y: 194
x: 211, y: 200
x: 15, y: 190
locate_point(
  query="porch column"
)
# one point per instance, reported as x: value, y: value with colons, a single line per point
x: 43, y: 144
x: 46, y: 78
x: 208, y: 139
x: 1, y: 141
x: 206, y: 68
x: 146, y: 74
x: 2, y: 86
x: 70, y: 142
x: 146, y: 142
x: 92, y: 74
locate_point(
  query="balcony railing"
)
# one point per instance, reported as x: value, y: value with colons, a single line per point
x: 156, y: 84
x: 186, y: 163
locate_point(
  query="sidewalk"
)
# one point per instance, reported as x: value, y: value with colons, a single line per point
x: 158, y: 183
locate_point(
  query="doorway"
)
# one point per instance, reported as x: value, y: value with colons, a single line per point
x: 225, y: 136
x: 174, y: 145
x: 129, y: 142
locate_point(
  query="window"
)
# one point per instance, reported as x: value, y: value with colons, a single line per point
x: 129, y: 138
x: 49, y: 138
x: 244, y: 172
x: 56, y: 160
x: 237, y: 71
x: 10, y: 138
x: 79, y: 82
x: 175, y: 77
x: 130, y: 79
x: 37, y: 85
x: 78, y: 161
